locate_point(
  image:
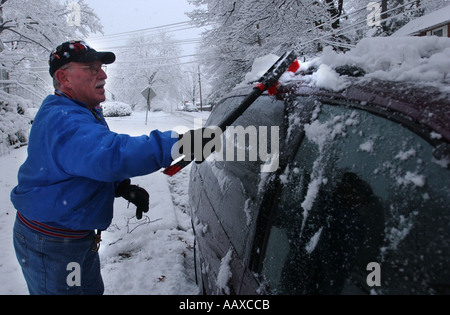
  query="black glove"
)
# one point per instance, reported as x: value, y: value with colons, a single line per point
x: 190, y: 140
x: 134, y: 194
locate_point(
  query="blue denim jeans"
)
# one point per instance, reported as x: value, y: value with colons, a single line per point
x: 57, y: 266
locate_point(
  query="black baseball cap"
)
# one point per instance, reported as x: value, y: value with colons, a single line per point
x: 77, y: 51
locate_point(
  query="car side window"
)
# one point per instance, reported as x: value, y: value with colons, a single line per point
x: 362, y: 189
x: 222, y: 109
x: 233, y: 183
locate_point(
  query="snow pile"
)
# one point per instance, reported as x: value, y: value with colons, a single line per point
x: 116, y: 109
x: 15, y: 118
x: 413, y: 59
x: 326, y: 77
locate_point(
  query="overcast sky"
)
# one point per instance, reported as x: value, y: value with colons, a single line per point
x: 118, y: 16
x: 121, y: 16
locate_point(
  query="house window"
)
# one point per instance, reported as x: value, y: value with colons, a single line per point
x: 441, y: 32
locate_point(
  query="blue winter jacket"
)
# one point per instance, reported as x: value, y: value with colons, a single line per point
x: 75, y: 163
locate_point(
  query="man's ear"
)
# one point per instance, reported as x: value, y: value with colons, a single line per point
x: 61, y: 77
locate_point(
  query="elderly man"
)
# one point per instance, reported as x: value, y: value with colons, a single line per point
x: 74, y: 169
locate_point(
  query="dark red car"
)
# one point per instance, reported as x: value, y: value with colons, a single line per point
x: 358, y: 203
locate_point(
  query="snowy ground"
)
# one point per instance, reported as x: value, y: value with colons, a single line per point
x: 150, y: 256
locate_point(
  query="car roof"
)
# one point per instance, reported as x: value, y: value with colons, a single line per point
x: 403, y: 75
x: 426, y: 105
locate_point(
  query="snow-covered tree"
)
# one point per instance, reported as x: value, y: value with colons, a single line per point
x: 148, y: 61
x: 29, y: 31
x: 240, y: 31
x: 191, y: 87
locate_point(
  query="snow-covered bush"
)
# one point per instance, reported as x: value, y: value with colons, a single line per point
x: 15, y: 121
x: 116, y: 109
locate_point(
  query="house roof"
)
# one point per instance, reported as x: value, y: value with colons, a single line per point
x: 426, y: 22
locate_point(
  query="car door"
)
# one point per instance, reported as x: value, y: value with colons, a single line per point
x: 223, y: 193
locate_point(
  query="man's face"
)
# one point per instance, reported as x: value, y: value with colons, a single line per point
x: 86, y: 82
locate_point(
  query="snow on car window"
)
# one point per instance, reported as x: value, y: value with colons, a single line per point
x: 322, y: 133
x: 224, y: 274
x: 363, y: 189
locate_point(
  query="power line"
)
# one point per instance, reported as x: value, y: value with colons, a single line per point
x: 109, y: 40
x: 123, y: 38
x: 142, y: 61
x: 120, y: 41
x: 188, y: 41
x: 144, y: 30
x: 155, y: 59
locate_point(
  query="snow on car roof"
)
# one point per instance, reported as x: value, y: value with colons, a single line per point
x: 412, y: 72
x: 400, y: 59
x: 407, y: 74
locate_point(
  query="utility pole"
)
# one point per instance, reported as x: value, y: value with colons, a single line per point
x: 200, y: 87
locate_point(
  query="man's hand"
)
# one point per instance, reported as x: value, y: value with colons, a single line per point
x: 136, y: 195
x: 198, y: 144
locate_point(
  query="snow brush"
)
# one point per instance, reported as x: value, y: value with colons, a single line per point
x: 269, y: 81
